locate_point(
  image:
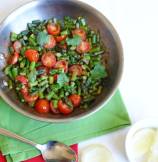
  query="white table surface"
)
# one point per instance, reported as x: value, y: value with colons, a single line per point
x: 136, y: 22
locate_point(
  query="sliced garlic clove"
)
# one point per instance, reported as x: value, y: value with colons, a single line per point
x: 142, y: 142
x: 155, y: 145
x: 96, y: 153
x: 153, y: 158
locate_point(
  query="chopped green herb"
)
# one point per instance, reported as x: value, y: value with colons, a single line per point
x: 76, y: 40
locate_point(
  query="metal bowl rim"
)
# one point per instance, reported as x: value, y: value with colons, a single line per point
x: 101, y: 104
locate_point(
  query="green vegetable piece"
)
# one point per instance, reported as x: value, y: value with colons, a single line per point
x: 55, y: 87
x: 75, y: 41
x: 36, y: 22
x: 32, y: 40
x: 65, y: 32
x: 32, y: 76
x: 95, y: 49
x: 55, y: 103
x: 77, y: 25
x: 43, y: 78
x: 22, y: 63
x: 51, y: 95
x: 42, y: 38
x: 8, y: 71
x: 56, y: 71
x: 83, y: 21
x: 61, y: 94
x: 32, y: 84
x: 62, y: 79
x: 23, y: 51
x: 69, y: 23
x: 24, y: 32
x: 41, y: 95
x: 51, y: 79
x: 13, y: 36
x: 14, y: 72
x: 42, y: 83
x: 10, y: 84
x: 94, y: 39
x: 73, y: 77
x: 98, y: 72
x: 32, y: 65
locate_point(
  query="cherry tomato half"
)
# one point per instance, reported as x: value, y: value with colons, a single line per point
x: 61, y: 38
x: 53, y: 28
x: 22, y: 79
x: 54, y: 110
x: 30, y: 98
x: 42, y: 106
x: 62, y: 64
x: 76, y: 69
x: 51, y: 43
x: 48, y: 59
x: 75, y: 99
x: 17, y: 46
x: 13, y: 59
x: 32, y: 55
x: 83, y: 47
x: 80, y: 32
x: 63, y: 108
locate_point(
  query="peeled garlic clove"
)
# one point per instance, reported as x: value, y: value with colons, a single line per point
x: 142, y: 142
x: 153, y: 158
x: 155, y: 145
x: 96, y: 153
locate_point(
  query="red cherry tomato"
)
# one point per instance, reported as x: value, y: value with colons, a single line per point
x: 30, y: 98
x: 63, y: 108
x: 80, y: 32
x: 83, y: 47
x: 54, y: 110
x: 13, y: 59
x: 53, y: 28
x: 75, y: 99
x: 51, y: 43
x: 32, y: 55
x: 48, y: 59
x: 61, y: 38
x: 62, y: 64
x: 42, y: 106
x: 22, y: 79
x: 44, y: 69
x: 17, y: 46
x: 76, y: 69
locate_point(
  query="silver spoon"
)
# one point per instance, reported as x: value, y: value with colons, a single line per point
x: 53, y: 151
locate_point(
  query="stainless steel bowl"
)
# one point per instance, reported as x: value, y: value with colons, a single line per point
x: 44, y: 9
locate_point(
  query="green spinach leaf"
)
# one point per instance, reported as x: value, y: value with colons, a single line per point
x: 98, y: 72
x: 62, y: 79
x: 42, y: 38
x: 75, y: 41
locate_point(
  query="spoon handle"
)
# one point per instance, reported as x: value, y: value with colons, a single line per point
x: 15, y: 136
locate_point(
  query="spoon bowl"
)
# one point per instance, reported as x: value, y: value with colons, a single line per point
x: 52, y: 151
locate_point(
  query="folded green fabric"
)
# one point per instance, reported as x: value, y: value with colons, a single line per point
x: 112, y: 117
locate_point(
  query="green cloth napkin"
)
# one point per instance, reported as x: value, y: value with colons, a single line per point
x: 113, y: 116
